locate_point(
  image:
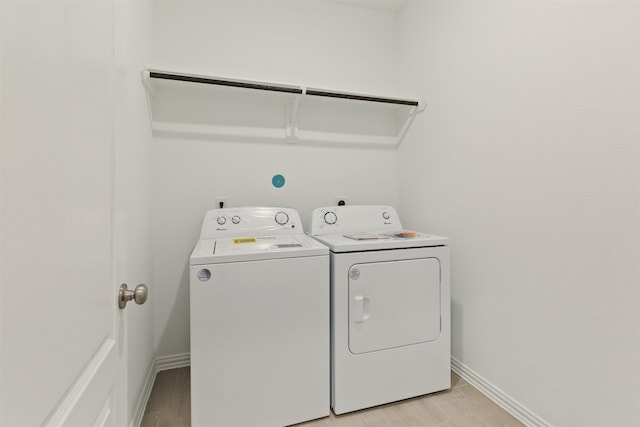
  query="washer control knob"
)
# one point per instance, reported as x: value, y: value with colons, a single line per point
x: 385, y: 215
x: 235, y: 219
x: 282, y: 218
x: 330, y: 218
x: 221, y: 220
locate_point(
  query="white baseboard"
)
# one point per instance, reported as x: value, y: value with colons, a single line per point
x: 159, y: 364
x: 513, y: 407
x: 172, y: 362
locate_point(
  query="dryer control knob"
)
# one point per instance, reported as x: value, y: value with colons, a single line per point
x: 282, y: 218
x: 221, y: 220
x: 330, y: 218
x: 385, y: 215
x: 235, y: 219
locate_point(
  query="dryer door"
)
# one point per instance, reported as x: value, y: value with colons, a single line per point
x: 393, y: 304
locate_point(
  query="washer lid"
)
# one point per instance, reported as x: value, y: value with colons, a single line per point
x: 234, y: 249
x: 372, y: 241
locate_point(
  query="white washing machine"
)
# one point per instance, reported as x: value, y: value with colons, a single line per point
x: 390, y: 300
x: 259, y: 320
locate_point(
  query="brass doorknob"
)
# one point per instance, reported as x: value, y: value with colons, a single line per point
x: 139, y: 295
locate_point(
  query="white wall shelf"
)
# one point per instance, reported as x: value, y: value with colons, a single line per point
x: 196, y: 106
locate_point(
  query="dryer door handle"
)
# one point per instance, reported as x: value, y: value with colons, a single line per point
x: 361, y: 308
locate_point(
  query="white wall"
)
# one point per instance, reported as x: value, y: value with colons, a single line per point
x: 528, y: 157
x: 311, y: 43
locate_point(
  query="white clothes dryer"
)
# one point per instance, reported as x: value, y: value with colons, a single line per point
x: 259, y: 320
x: 390, y: 301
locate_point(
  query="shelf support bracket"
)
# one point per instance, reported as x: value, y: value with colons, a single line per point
x: 409, y: 120
x: 145, y: 76
x: 292, y: 120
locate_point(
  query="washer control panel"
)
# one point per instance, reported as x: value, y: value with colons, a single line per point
x: 250, y: 221
x: 354, y: 218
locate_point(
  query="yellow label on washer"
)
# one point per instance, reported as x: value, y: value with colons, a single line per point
x: 244, y: 240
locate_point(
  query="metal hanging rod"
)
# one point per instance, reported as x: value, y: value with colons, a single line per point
x: 329, y: 94
x: 224, y: 82
x: 277, y: 88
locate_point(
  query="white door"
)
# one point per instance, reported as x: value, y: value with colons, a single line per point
x: 393, y: 304
x: 60, y: 326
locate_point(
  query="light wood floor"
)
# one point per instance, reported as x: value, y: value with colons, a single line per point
x: 463, y: 406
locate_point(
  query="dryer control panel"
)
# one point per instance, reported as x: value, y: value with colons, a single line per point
x: 250, y: 221
x: 354, y: 218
